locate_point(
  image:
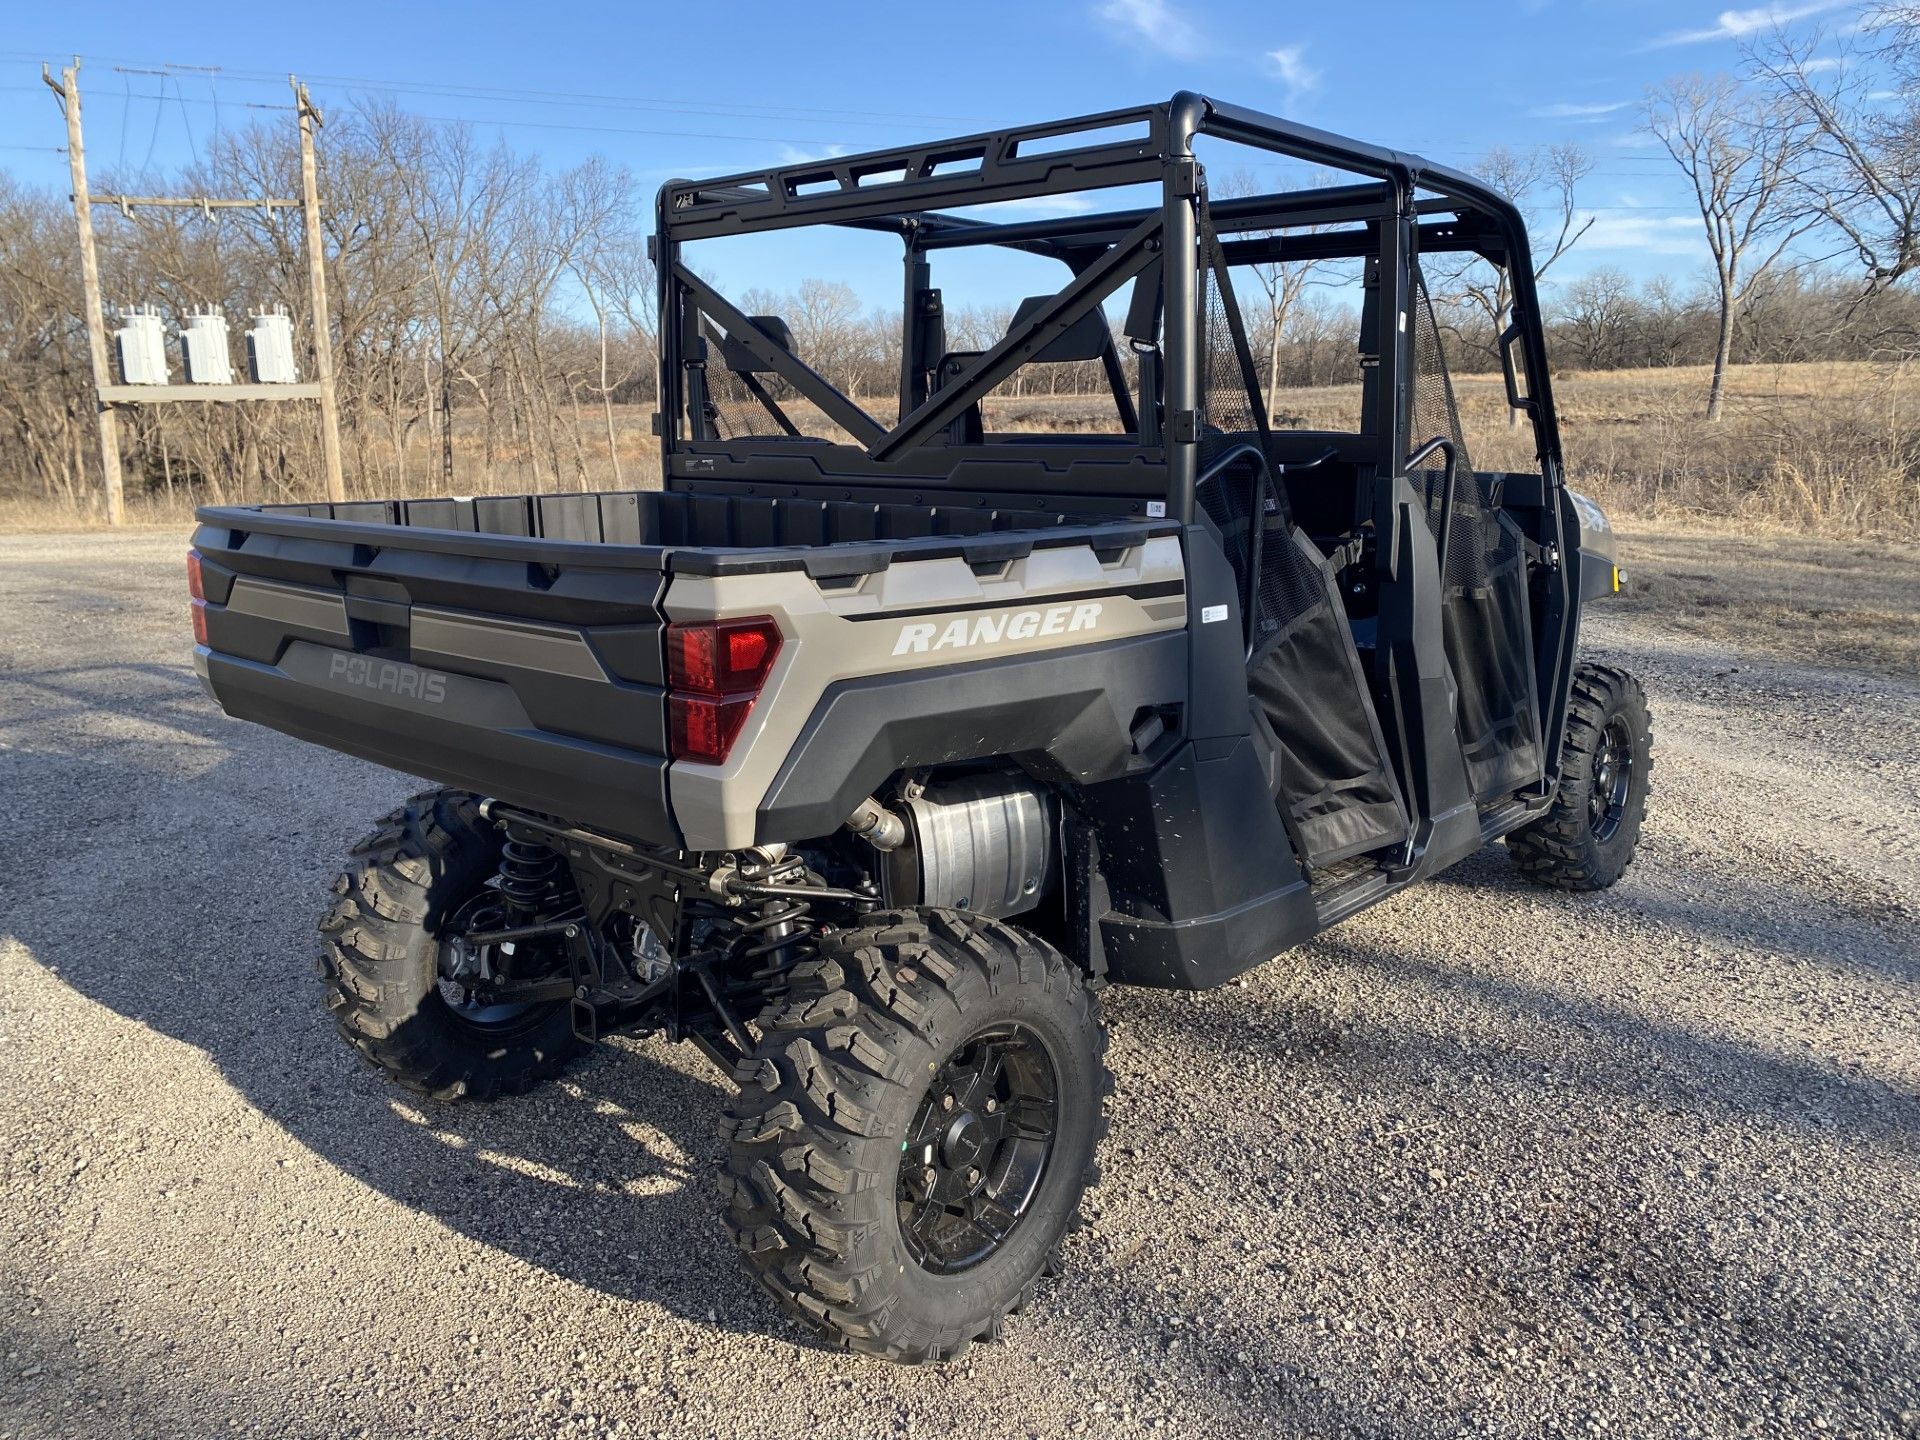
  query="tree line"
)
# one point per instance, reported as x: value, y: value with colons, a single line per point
x: 494, y: 318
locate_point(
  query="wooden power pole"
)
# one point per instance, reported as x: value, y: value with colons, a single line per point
x: 317, y: 281
x: 107, y: 394
x: 68, y: 89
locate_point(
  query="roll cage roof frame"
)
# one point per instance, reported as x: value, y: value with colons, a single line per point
x: 1403, y: 207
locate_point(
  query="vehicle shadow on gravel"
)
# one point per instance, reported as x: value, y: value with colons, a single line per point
x: 181, y: 891
x: 1861, y: 926
x: 1671, y: 1060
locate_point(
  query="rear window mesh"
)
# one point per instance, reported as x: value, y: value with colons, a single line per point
x: 737, y: 414
x: 1226, y: 409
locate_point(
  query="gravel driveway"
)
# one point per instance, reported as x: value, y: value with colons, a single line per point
x: 1485, y: 1160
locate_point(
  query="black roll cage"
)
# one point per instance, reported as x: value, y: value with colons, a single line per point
x: 1405, y: 207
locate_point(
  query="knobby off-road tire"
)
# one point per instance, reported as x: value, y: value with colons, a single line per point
x: 851, y: 1069
x: 1587, y: 840
x: 381, y: 951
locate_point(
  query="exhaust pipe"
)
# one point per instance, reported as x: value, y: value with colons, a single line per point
x: 877, y: 825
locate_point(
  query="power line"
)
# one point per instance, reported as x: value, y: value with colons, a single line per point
x: 583, y: 100
x: 185, y: 119
x: 159, y: 109
x: 142, y: 95
x: 589, y: 100
x: 530, y: 124
x: 1616, y: 169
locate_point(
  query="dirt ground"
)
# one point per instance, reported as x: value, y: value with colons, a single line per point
x: 1484, y: 1160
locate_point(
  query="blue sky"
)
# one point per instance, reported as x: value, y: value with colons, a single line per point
x: 698, y: 88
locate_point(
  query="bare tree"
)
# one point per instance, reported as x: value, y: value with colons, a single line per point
x: 1738, y: 152
x: 825, y: 318
x: 1598, y: 316
x: 1860, y: 174
x: 1282, y: 283
x: 1542, y: 184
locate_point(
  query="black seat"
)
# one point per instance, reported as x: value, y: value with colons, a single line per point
x: 742, y: 361
x: 1085, y: 339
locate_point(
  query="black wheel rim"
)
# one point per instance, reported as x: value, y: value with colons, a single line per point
x: 1612, y: 780
x: 977, y: 1150
x: 461, y: 968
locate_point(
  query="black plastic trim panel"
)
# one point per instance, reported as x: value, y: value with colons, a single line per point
x: 476, y: 739
x: 550, y: 541
x: 1065, y: 712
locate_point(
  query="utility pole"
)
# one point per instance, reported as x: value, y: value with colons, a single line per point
x: 108, y: 395
x: 68, y: 89
x: 317, y: 281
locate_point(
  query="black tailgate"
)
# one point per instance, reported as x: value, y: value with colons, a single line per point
x: 525, y: 668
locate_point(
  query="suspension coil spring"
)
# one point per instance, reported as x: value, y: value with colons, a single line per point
x: 776, y: 926
x: 529, y: 879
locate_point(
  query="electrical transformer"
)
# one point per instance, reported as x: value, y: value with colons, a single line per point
x: 203, y: 343
x: 270, y: 349
x: 142, y: 345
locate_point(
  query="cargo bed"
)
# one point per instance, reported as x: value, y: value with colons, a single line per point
x: 514, y: 644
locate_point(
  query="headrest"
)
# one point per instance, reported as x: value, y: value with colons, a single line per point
x: 743, y: 361
x: 1085, y: 339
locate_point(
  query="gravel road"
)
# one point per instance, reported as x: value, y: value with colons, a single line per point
x: 1485, y: 1160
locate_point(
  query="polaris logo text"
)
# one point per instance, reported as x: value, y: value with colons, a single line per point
x: 389, y: 677
x: 968, y: 631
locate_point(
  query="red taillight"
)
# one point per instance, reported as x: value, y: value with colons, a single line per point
x: 703, y: 729
x: 721, y: 657
x: 199, y: 622
x: 715, y: 669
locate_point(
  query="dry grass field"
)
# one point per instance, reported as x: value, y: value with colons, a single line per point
x: 1830, y: 448
x: 1826, y: 447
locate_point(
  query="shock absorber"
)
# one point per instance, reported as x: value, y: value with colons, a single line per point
x: 529, y: 883
x: 774, y: 938
x: 778, y: 934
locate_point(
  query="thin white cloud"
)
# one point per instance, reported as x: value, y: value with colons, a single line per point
x: 1155, y: 24
x: 1296, y: 74
x: 1675, y: 235
x: 1033, y: 205
x: 794, y: 155
x: 1568, y: 111
x: 1739, y: 24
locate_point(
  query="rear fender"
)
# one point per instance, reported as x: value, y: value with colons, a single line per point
x: 932, y: 661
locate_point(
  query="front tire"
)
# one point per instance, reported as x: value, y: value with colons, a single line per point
x: 1586, y: 841
x: 915, y: 1130
x: 413, y: 882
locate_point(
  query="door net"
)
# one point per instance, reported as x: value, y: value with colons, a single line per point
x: 1489, y: 632
x: 1311, y: 700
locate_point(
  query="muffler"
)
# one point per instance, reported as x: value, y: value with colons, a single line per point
x: 983, y: 843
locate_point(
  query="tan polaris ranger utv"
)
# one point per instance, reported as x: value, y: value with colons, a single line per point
x: 869, y: 748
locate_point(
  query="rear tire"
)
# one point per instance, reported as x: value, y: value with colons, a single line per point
x: 381, y: 959
x: 1586, y: 841
x: 962, y: 1038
